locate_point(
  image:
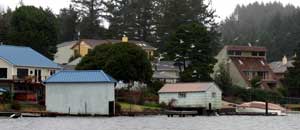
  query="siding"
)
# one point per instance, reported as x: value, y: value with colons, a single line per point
x: 79, y: 98
x: 5, y: 64
x: 63, y: 54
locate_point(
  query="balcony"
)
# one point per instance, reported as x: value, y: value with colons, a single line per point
x: 29, y: 79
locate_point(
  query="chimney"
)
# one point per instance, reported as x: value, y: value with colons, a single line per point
x: 124, y: 38
x: 284, y: 60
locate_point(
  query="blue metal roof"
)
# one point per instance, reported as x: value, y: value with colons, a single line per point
x: 25, y: 56
x: 80, y: 76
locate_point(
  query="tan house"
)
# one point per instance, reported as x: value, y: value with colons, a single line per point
x: 82, y: 47
x: 244, y: 63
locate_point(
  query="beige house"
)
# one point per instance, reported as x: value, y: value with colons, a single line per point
x: 166, y: 71
x: 243, y: 63
x: 280, y: 67
x: 82, y: 47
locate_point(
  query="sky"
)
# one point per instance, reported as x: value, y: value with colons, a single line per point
x: 223, y: 8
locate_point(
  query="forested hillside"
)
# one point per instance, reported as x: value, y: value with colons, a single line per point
x: 272, y: 25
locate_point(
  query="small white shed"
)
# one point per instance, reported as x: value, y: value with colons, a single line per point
x: 80, y: 92
x: 191, y: 95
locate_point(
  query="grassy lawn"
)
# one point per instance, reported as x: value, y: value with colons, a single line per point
x: 136, y: 108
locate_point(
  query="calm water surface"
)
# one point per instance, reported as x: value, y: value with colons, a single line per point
x: 291, y: 122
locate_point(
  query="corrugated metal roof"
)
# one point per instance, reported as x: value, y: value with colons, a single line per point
x: 186, y: 87
x: 80, y: 76
x: 25, y: 56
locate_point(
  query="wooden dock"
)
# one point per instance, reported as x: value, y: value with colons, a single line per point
x: 171, y: 113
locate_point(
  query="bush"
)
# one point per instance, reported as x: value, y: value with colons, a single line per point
x: 118, y: 108
x: 15, y: 106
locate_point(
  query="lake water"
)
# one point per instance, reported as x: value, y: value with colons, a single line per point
x: 291, y: 122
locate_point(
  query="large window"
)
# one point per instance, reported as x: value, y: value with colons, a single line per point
x: 235, y: 53
x: 3, y: 72
x: 22, y: 73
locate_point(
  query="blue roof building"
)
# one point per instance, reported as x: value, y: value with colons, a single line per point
x: 80, y: 92
x: 80, y: 76
x: 25, y: 57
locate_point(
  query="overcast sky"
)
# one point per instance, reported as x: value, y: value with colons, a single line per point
x: 223, y: 7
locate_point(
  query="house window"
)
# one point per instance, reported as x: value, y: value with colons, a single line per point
x: 238, y: 53
x: 230, y: 53
x: 262, y: 54
x: 22, y: 73
x: 213, y: 94
x: 263, y: 75
x: 89, y: 50
x: 181, y: 95
x: 3, y: 72
x: 52, y: 72
x: 254, y: 53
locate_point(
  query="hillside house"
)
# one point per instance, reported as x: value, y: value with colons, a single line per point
x: 191, y: 95
x: 243, y: 63
x: 22, y: 71
x: 89, y: 92
x: 280, y: 67
x: 166, y: 71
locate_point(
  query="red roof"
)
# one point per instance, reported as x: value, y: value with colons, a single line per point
x: 245, y: 48
x: 185, y: 87
x: 253, y: 64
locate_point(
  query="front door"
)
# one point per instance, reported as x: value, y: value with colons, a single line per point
x: 111, y: 108
x: 38, y: 77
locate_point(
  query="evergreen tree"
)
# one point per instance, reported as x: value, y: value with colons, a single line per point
x: 177, y: 12
x: 90, y: 12
x: 193, y: 43
x: 68, y: 21
x: 133, y: 18
x: 123, y: 61
x: 5, y: 17
x: 35, y: 28
x: 292, y: 78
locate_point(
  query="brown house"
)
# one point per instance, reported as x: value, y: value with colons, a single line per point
x: 243, y: 63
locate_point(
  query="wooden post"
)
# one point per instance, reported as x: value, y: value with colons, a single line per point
x: 267, y: 108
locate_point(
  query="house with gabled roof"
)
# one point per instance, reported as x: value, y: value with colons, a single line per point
x: 23, y: 69
x: 80, y: 48
x: 243, y: 63
x: 75, y: 92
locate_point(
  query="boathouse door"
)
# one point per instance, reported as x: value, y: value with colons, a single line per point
x: 111, y: 108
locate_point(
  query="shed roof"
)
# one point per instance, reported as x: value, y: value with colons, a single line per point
x: 186, y: 87
x: 25, y: 56
x: 81, y: 76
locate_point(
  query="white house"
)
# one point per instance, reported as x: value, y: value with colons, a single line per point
x: 166, y: 71
x: 80, y: 92
x: 64, y: 52
x: 19, y: 65
x: 191, y: 95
